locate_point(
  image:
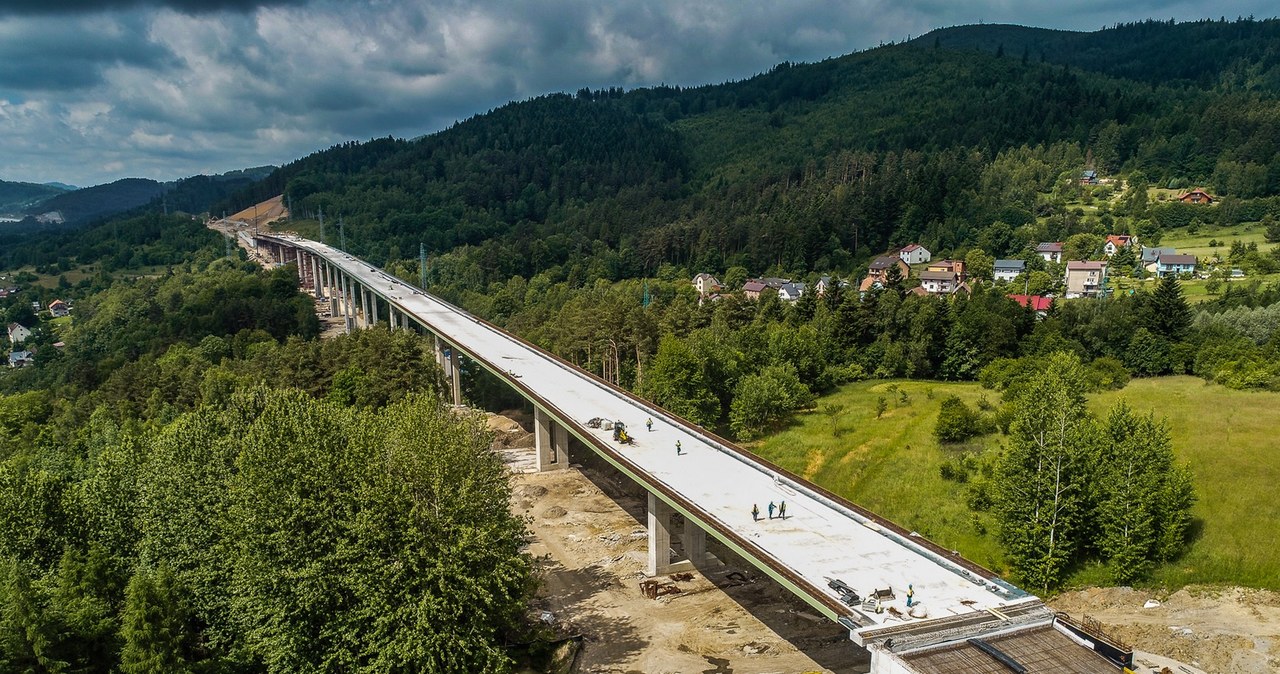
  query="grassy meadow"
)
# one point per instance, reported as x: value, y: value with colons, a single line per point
x: 893, y: 464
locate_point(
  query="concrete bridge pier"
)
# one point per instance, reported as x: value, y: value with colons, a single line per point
x: 693, y: 539
x: 551, y: 442
x: 451, y: 367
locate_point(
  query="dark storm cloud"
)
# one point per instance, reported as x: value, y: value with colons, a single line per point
x: 38, y: 7
x: 93, y: 90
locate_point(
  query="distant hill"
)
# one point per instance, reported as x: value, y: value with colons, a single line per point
x: 16, y: 198
x: 62, y: 186
x: 1239, y: 54
x: 87, y: 204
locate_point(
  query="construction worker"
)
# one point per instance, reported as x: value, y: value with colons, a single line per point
x: 772, y: 507
x: 649, y: 425
x: 755, y: 512
x: 678, y: 450
x: 782, y: 510
x: 911, y: 593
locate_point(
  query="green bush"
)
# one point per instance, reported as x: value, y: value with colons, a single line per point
x: 957, y: 422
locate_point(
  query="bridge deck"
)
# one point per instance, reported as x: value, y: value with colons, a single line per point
x: 820, y: 539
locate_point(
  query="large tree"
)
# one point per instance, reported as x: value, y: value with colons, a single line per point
x: 1166, y: 312
x: 1042, y: 491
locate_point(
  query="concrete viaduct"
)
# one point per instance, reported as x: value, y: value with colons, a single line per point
x: 917, y: 607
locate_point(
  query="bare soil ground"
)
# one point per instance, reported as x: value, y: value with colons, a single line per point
x: 268, y: 211
x: 590, y: 541
x: 1218, y: 629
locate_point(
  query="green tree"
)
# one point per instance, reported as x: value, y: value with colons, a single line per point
x: 154, y: 625
x: 676, y: 380
x: 1166, y: 312
x: 1143, y: 498
x: 762, y: 401
x: 1148, y: 353
x: 1271, y: 228
x: 1042, y: 493
x: 978, y: 264
x: 1083, y: 246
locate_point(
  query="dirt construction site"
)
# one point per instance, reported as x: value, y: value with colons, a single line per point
x: 589, y: 538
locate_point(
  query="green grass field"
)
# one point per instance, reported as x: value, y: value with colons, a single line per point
x: 1198, y: 244
x: 892, y: 466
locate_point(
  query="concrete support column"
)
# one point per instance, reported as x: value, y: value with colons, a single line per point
x: 659, y: 536
x: 695, y: 543
x: 302, y: 269
x: 364, y: 305
x: 551, y: 442
x: 348, y: 305
x: 373, y: 302
x: 455, y: 372
x: 439, y: 353
x: 391, y: 316
x: 315, y: 277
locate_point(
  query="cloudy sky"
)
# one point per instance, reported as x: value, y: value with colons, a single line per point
x: 95, y: 90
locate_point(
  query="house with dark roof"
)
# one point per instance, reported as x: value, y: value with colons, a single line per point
x: 790, y: 292
x: 1008, y: 270
x: 21, y: 359
x: 879, y: 267
x: 1089, y: 177
x: 1051, y: 251
x: 1150, y: 255
x: 1173, y: 265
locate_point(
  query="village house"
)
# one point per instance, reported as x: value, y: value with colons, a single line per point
x: 790, y: 292
x: 937, y: 282
x: 1085, y: 278
x: 58, y: 309
x: 753, y: 288
x: 1150, y: 255
x: 21, y: 359
x: 915, y: 254
x: 1089, y: 177
x: 1173, y: 265
x: 879, y: 269
x: 1037, y: 303
x: 1196, y: 196
x: 952, y: 266
x: 18, y: 334
x: 1008, y: 270
x: 1116, y: 242
x: 1051, y: 251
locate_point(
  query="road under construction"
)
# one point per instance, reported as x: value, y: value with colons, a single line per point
x: 915, y: 606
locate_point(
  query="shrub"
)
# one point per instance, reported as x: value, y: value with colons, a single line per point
x: 956, y: 421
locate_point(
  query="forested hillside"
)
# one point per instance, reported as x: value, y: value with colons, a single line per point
x: 16, y: 198
x: 806, y: 167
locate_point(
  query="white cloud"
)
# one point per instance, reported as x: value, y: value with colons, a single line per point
x: 165, y: 93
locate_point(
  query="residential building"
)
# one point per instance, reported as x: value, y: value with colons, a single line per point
x: 58, y: 309
x: 1150, y: 255
x: 879, y: 267
x: 1008, y: 270
x: 1051, y: 251
x: 939, y: 282
x: 21, y: 358
x: 953, y: 266
x: 1037, y: 303
x: 1116, y: 242
x: 868, y: 284
x: 753, y: 288
x: 1172, y: 265
x: 1085, y: 278
x: 18, y: 334
x: 1089, y: 177
x: 915, y: 254
x: 790, y: 292
x: 1196, y: 196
